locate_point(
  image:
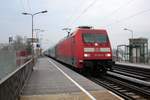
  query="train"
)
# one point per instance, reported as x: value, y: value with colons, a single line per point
x: 85, y: 49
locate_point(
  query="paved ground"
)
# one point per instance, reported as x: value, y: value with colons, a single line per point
x: 48, y: 83
x: 134, y: 65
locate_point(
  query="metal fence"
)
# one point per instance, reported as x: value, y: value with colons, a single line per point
x: 123, y: 56
x: 10, y: 86
x: 11, y: 58
x: 149, y: 60
x: 7, y: 62
x: 136, y: 60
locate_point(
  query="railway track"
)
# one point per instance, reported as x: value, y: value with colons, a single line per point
x: 130, y: 83
x: 123, y: 88
x: 140, y: 73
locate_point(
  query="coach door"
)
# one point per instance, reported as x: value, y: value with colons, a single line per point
x: 73, y: 50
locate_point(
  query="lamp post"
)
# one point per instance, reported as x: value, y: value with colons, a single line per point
x: 38, y: 31
x: 38, y: 44
x: 129, y: 31
x: 37, y: 35
x: 32, y: 16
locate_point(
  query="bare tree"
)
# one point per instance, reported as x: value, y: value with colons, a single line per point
x: 18, y: 43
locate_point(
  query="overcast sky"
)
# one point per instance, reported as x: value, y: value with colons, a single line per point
x: 113, y: 15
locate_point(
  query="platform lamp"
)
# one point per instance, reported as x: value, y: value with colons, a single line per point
x: 129, y: 31
x: 32, y: 16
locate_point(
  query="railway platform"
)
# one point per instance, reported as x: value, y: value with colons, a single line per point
x: 134, y: 65
x: 51, y: 80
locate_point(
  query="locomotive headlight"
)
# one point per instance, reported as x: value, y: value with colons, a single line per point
x: 87, y: 55
x: 108, y: 55
x: 96, y: 44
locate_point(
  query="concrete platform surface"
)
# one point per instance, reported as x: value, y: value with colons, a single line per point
x: 48, y: 83
x: 99, y: 95
x: 134, y: 65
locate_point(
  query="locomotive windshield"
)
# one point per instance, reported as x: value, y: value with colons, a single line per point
x: 92, y: 38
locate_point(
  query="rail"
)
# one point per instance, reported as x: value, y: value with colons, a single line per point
x: 11, y: 86
x: 137, y: 71
x: 125, y: 89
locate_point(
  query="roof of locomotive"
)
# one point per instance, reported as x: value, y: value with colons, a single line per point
x: 82, y: 29
x: 92, y: 30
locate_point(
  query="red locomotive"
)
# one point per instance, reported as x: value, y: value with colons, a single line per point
x: 85, y: 49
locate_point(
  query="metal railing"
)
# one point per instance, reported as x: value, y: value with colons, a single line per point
x: 136, y: 60
x: 11, y: 85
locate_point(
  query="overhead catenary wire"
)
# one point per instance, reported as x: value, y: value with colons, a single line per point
x: 112, y: 13
x: 75, y: 10
x: 84, y: 11
x: 92, y: 3
x: 29, y: 6
x: 129, y: 17
x: 118, y: 9
x: 25, y: 4
x: 22, y: 5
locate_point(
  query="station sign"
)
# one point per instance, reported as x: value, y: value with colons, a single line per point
x: 35, y: 40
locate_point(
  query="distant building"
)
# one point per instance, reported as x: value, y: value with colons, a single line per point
x: 138, y: 50
x: 3, y: 45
